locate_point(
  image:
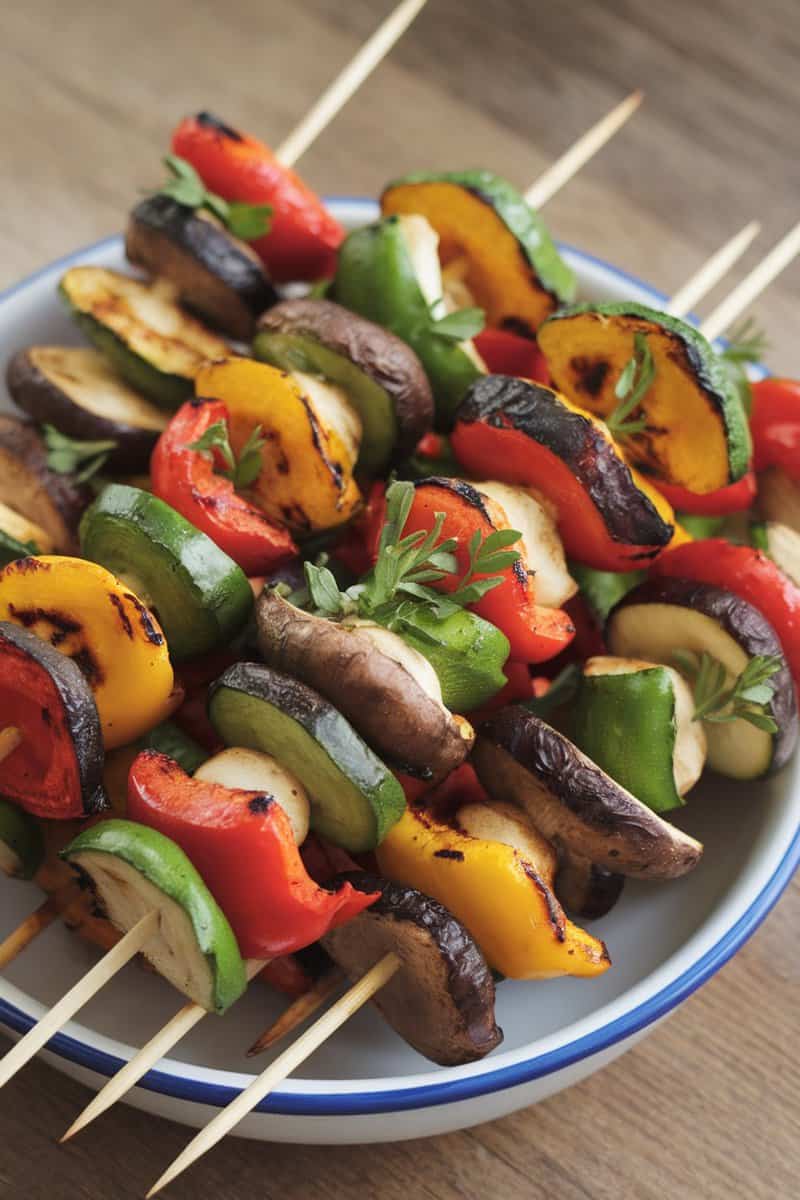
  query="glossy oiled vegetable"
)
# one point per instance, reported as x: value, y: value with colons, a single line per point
x: 56, y: 770
x: 148, y: 338
x: 242, y: 843
x: 511, y: 266
x: 355, y: 799
x: 666, y: 615
x: 480, y: 881
x: 609, y: 516
x: 75, y: 390
x: 379, y: 696
x: 40, y: 495
x: 306, y: 478
x: 201, y: 596
x: 135, y: 870
x: 696, y: 432
x: 381, y: 375
x: 92, y: 618
x: 442, y: 998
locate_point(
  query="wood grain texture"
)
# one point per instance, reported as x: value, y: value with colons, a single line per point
x: 709, y: 1105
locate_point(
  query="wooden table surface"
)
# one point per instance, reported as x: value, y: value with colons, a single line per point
x: 709, y: 1105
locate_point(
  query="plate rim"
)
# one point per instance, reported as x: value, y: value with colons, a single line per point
x: 441, y: 1089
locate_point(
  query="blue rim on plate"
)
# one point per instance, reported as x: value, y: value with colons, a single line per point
x: 319, y: 1104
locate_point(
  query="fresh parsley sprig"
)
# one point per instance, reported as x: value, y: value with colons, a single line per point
x: 245, y: 221
x: 405, y: 568
x: 632, y: 386
x: 67, y: 456
x: 717, y: 701
x: 242, y: 471
x: 748, y: 343
x: 459, y: 326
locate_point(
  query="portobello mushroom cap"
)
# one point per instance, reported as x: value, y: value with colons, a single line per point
x: 388, y: 362
x: 218, y: 276
x: 382, y: 700
x: 680, y: 614
x: 74, y: 389
x: 28, y: 485
x: 520, y: 758
x: 441, y: 1000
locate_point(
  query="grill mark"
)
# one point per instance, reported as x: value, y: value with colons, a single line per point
x: 124, y: 619
x: 145, y: 620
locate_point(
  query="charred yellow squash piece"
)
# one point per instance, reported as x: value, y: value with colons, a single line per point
x: 307, y: 461
x: 505, y: 904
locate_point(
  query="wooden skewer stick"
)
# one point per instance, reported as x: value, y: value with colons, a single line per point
x: 753, y: 285
x: 712, y: 271
x: 10, y: 738
x: 77, y: 996
x: 137, y: 1067
x: 580, y: 152
x: 298, y: 1011
x: 276, y: 1072
x: 36, y: 923
x: 339, y: 92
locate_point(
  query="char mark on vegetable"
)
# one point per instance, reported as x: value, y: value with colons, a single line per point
x: 590, y: 373
x: 454, y: 855
x: 211, y: 122
x: 260, y: 804
x: 152, y: 634
x: 63, y: 625
x: 124, y: 619
x: 88, y: 666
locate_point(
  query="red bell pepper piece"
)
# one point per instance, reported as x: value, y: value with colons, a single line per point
x: 736, y: 497
x: 303, y: 237
x: 775, y: 425
x: 507, y: 353
x: 186, y: 480
x: 748, y: 573
x: 242, y: 844
x: 535, y: 633
x: 287, y: 975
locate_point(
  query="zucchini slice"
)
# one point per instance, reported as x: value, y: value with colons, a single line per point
x: 201, y: 597
x: 40, y: 496
x: 382, y: 376
x: 355, y: 798
x: 696, y: 434
x: 635, y: 720
x: 663, y: 616
x: 135, y: 870
x: 382, y: 275
x: 441, y: 1000
x: 75, y: 390
x: 56, y: 770
x: 21, y: 842
x: 217, y: 275
x: 148, y: 338
x: 512, y: 267
x: 168, y: 738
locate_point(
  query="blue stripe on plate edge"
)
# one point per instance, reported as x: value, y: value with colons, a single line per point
x: 447, y: 1092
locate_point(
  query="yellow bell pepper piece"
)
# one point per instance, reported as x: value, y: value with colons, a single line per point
x: 88, y: 614
x: 306, y: 478
x: 509, y: 910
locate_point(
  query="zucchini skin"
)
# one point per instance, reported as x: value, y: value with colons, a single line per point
x: 218, y: 596
x: 537, y: 249
x: 375, y: 277
x: 165, y: 865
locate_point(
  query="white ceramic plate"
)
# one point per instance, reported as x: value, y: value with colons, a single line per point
x: 366, y: 1084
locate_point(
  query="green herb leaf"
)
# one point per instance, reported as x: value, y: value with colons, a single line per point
x: 718, y: 701
x: 215, y: 438
x: 632, y: 387
x: 246, y: 470
x: 66, y: 456
x: 245, y: 221
x: 248, y: 221
x: 561, y: 691
x: 323, y: 590
x: 460, y: 326
x: 748, y: 342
